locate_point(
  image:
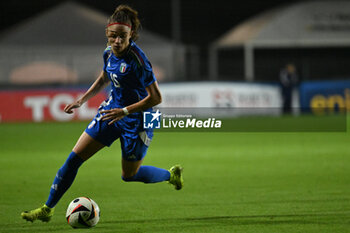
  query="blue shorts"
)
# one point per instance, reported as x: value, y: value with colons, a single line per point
x: 134, y: 143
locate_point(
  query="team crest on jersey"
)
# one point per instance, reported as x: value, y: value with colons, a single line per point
x: 122, y: 67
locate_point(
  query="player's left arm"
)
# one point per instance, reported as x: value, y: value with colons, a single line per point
x: 153, y: 98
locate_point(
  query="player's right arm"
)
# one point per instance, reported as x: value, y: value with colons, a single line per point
x: 101, y: 82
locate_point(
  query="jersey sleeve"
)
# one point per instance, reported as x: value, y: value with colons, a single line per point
x: 148, y: 76
x: 106, y: 55
x: 144, y: 66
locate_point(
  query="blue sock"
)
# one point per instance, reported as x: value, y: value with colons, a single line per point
x: 149, y: 174
x: 64, y: 178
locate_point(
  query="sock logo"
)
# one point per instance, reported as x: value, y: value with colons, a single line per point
x: 151, y: 120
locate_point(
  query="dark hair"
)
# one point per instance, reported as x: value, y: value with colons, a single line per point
x: 125, y: 14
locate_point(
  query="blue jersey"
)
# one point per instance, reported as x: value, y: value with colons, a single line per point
x: 130, y: 75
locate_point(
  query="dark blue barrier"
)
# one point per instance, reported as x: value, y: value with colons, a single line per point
x: 324, y: 97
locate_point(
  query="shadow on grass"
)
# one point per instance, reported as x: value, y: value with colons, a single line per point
x: 34, y: 227
x: 307, y: 218
x: 191, y: 224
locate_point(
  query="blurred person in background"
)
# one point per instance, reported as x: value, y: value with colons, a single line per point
x: 288, y: 80
x: 134, y: 90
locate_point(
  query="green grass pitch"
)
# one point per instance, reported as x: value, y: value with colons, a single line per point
x: 234, y: 182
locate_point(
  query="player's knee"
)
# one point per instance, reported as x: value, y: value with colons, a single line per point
x: 129, y: 175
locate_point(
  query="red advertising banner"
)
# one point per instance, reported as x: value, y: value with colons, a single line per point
x: 45, y: 105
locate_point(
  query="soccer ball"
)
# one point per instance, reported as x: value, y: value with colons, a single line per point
x: 83, y: 212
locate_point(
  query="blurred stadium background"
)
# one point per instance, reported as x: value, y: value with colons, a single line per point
x: 236, y: 51
x: 206, y: 55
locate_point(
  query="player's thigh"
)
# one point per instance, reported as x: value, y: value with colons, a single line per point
x: 86, y: 146
x: 134, y: 149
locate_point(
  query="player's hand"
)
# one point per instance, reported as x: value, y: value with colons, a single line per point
x: 69, y: 107
x: 114, y: 115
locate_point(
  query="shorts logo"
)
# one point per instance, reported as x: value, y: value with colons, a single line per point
x: 132, y: 157
x: 92, y: 124
x: 151, y: 120
x: 122, y: 67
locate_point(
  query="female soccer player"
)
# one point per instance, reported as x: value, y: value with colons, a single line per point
x: 134, y: 90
